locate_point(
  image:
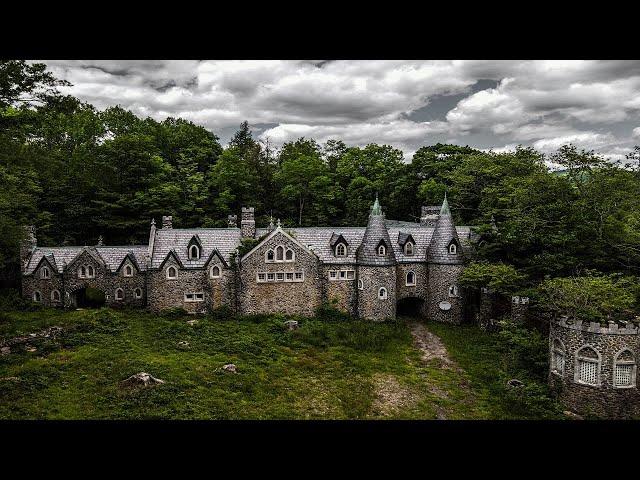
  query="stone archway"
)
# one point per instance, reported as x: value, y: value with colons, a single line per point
x: 410, y: 307
x: 88, y: 297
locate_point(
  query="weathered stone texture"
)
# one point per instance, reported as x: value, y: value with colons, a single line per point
x: 603, y: 400
x: 441, y: 277
x: 369, y: 305
x: 343, y: 292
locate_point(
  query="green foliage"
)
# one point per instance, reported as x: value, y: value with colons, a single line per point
x: 499, y: 277
x: 593, y: 297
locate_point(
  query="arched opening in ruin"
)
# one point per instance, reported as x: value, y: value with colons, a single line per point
x: 410, y: 307
x: 88, y: 297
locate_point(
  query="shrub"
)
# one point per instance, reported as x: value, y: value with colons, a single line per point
x: 175, y: 312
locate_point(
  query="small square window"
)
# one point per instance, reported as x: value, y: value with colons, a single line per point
x: 351, y: 274
x: 289, y: 276
x: 333, y: 274
x: 280, y: 276
x: 262, y: 277
x: 271, y: 277
x: 298, y: 275
x: 343, y: 274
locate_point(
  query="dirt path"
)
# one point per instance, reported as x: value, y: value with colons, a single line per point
x: 430, y: 345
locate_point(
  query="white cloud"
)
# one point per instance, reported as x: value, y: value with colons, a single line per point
x: 636, y: 132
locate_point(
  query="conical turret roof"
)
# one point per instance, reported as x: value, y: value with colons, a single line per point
x: 443, y: 235
x: 375, y: 234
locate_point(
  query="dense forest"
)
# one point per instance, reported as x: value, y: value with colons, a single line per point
x: 77, y: 173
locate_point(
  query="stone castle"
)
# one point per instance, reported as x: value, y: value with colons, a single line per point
x: 368, y: 272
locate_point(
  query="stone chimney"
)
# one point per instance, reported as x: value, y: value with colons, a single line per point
x: 248, y: 223
x: 429, y: 215
x: 152, y: 241
x: 232, y: 220
x: 29, y: 242
x: 167, y: 221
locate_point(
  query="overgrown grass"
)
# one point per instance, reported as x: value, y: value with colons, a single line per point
x: 326, y: 369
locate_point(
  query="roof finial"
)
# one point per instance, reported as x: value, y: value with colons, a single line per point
x: 279, y: 223
x: 100, y: 241
x: 444, y: 210
x: 153, y: 221
x: 376, y: 210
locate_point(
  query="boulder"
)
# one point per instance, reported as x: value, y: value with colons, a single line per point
x: 5, y: 351
x: 572, y: 415
x: 30, y: 348
x: 515, y: 383
x: 192, y: 322
x: 141, y: 379
x: 184, y: 345
x: 230, y: 367
x: 291, y: 324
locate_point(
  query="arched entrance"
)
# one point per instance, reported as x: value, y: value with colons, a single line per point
x: 88, y: 297
x: 410, y: 307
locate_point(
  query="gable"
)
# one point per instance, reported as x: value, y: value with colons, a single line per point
x: 278, y: 237
x: 86, y: 256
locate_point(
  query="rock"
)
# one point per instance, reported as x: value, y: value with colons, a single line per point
x: 514, y: 383
x: 192, y: 322
x: 141, y: 379
x: 5, y: 351
x: 230, y: 367
x: 573, y: 415
x: 30, y: 348
x: 10, y: 379
x: 291, y: 324
x: 183, y: 344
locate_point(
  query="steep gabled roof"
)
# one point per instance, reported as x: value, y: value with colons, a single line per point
x: 337, y: 238
x: 375, y: 233
x: 444, y: 233
x: 171, y: 253
x: 224, y: 240
x: 273, y: 234
x: 216, y: 253
x: 403, y: 238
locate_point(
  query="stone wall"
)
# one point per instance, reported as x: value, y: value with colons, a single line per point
x: 440, y: 278
x: 369, y: 305
x: 603, y: 400
x: 32, y: 283
x: 301, y: 298
x: 343, y: 292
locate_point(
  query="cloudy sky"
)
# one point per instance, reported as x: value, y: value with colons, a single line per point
x: 485, y: 104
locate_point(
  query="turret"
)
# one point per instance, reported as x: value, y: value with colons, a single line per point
x: 446, y: 262
x: 376, y: 269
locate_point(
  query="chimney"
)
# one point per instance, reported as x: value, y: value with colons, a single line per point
x: 152, y: 241
x: 232, y: 220
x: 29, y: 242
x: 429, y: 215
x: 167, y: 221
x: 248, y: 223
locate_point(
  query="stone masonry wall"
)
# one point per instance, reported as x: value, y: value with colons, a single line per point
x: 440, y: 278
x: 369, y: 305
x: 345, y: 292
x: 31, y: 283
x: 422, y: 282
x: 301, y: 298
x: 603, y: 400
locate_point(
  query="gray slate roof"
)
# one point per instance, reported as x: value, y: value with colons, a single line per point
x: 375, y: 234
x: 225, y: 240
x: 444, y: 232
x: 60, y: 257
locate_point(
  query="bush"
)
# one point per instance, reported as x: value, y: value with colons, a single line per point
x: 10, y: 299
x: 329, y: 312
x: 175, y: 312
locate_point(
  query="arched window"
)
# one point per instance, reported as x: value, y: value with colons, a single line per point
x: 411, y: 279
x: 341, y: 250
x: 624, y: 370
x: 172, y: 272
x: 55, y: 296
x: 279, y: 253
x: 215, y: 271
x: 453, y: 290
x: 270, y: 256
x: 194, y: 252
x: 557, y: 357
x: 360, y: 284
x: 44, y: 273
x: 119, y: 294
x: 289, y: 255
x: 82, y: 273
x: 90, y: 271
x: 587, y: 369
x: 453, y: 249
x: 382, y: 250
x: 408, y: 248
x: 137, y: 293
x: 128, y: 271
x: 382, y: 293
x: 37, y: 297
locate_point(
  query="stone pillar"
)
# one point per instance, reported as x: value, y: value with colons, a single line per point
x: 519, y: 308
x: 167, y: 221
x: 248, y: 223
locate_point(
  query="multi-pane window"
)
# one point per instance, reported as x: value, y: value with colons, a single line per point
x: 333, y: 274
x: 557, y: 357
x: 271, y: 277
x: 289, y: 276
x: 341, y: 250
x: 624, y: 370
x: 86, y: 271
x: 623, y: 375
x: 194, y: 297
x: 299, y: 276
x: 588, y: 371
x: 280, y: 276
x: 262, y: 277
x: 342, y: 274
x: 453, y: 290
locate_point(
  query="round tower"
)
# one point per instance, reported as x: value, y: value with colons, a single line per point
x: 445, y: 264
x: 376, y: 270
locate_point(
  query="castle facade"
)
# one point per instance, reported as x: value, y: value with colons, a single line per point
x: 368, y: 272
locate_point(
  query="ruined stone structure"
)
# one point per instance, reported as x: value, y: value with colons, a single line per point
x: 593, y: 368
x: 368, y: 272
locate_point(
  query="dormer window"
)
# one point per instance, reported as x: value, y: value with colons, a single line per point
x: 128, y: 271
x: 172, y: 273
x: 341, y: 250
x: 289, y: 256
x: 194, y: 252
x: 44, y: 273
x: 215, y: 271
x: 382, y: 250
x: 408, y: 248
x: 453, y: 248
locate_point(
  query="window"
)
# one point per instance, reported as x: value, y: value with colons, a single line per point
x: 341, y: 250
x: 624, y: 370
x: 289, y: 255
x: 194, y: 252
x: 44, y: 273
x: 382, y: 294
x: 271, y: 277
x: 408, y: 248
x: 587, y: 367
x: 90, y: 271
x: 343, y: 274
x: 280, y: 276
x: 289, y: 276
x: 557, y: 357
x: 137, y: 293
x: 55, y: 296
x: 128, y: 271
x: 194, y: 297
x: 279, y: 253
x: 453, y: 290
x: 214, y: 272
x: 453, y: 248
x: 270, y: 256
x: 82, y: 273
x: 360, y: 284
x: 382, y: 250
x: 119, y: 294
x: 333, y: 274
x: 172, y: 273
x: 299, y: 276
x: 262, y: 277
x: 37, y: 297
x: 411, y: 279
x: 351, y: 274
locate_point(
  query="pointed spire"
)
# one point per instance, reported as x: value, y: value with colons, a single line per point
x: 100, y: 241
x: 279, y: 224
x: 444, y: 210
x: 153, y: 222
x: 444, y: 234
x: 376, y: 210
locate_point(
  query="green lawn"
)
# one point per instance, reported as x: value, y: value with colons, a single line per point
x: 323, y: 370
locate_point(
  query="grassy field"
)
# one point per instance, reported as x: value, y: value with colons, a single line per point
x: 323, y: 370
